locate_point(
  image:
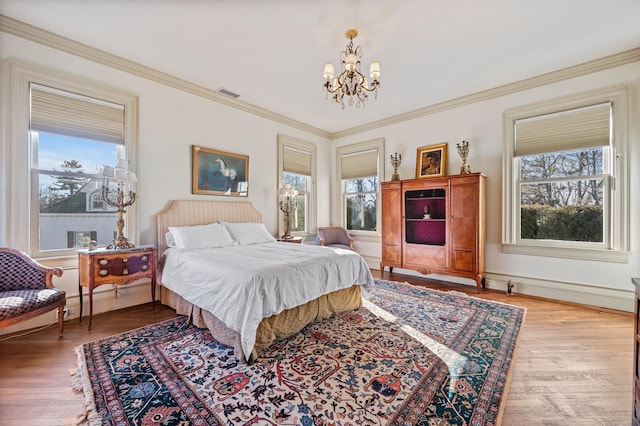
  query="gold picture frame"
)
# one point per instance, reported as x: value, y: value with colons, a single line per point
x: 219, y: 173
x: 431, y: 161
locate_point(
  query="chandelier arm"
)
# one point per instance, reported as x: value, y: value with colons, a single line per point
x: 327, y: 86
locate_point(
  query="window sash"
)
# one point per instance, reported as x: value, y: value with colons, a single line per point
x: 607, y: 225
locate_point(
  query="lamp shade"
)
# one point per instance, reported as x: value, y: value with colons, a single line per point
x: 107, y: 171
x: 350, y: 62
x: 374, y: 70
x: 328, y: 71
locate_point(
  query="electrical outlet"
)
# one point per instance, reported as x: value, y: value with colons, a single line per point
x: 66, y: 313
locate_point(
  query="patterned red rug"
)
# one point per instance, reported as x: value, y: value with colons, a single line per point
x: 410, y: 356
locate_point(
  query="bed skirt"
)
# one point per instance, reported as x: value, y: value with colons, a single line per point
x: 270, y: 329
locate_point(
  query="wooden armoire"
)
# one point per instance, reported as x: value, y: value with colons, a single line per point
x: 435, y: 226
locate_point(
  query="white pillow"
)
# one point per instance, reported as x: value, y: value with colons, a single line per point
x: 212, y: 235
x: 249, y: 233
x: 171, y: 242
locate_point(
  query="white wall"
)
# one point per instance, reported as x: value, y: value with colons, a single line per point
x: 480, y: 123
x: 170, y: 122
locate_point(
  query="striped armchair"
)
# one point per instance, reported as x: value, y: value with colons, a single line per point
x: 335, y: 236
x: 26, y: 289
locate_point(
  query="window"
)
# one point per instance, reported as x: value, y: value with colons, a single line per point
x: 70, y: 128
x: 566, y: 178
x: 297, y: 167
x: 359, y: 169
x: 80, y: 239
x: 97, y: 203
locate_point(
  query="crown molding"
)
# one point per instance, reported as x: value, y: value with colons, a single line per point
x: 38, y: 35
x: 55, y: 41
x: 595, y: 65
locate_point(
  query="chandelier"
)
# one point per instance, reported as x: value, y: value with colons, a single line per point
x: 351, y: 82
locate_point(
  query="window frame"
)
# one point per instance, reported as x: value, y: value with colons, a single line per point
x: 21, y: 226
x: 355, y: 148
x: 616, y: 247
x: 311, y: 204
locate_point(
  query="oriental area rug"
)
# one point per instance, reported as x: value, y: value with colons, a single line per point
x: 409, y: 356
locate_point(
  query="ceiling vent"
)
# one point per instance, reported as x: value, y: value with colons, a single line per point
x: 227, y: 92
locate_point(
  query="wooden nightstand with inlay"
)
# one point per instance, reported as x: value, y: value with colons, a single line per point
x: 117, y: 266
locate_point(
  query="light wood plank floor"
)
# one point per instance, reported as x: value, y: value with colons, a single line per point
x: 573, y: 364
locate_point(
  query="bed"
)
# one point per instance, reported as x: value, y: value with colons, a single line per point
x: 253, y: 295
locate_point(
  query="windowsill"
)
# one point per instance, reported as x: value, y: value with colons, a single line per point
x: 64, y: 262
x: 615, y: 256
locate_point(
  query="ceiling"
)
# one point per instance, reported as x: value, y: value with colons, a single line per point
x: 272, y: 52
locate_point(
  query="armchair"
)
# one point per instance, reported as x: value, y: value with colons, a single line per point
x: 26, y: 289
x: 335, y: 236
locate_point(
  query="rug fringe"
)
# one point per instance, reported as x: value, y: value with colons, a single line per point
x: 80, y: 383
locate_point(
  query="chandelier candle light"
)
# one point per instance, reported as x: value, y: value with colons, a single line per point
x: 351, y: 82
x: 463, y: 151
x: 117, y: 191
x: 396, y: 159
x: 288, y: 204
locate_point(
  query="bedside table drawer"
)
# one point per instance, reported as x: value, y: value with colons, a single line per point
x: 131, y: 266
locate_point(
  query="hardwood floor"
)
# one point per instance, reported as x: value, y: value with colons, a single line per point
x: 573, y: 364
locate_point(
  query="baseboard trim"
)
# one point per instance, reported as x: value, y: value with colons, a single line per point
x: 583, y: 294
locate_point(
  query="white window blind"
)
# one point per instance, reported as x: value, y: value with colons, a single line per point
x: 59, y: 112
x: 359, y: 164
x: 296, y: 161
x: 569, y: 130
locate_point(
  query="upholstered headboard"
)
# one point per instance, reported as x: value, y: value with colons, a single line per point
x: 198, y: 212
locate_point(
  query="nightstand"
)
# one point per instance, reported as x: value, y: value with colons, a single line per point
x: 295, y: 240
x: 117, y: 266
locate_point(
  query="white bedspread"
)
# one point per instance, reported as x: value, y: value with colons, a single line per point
x: 241, y: 285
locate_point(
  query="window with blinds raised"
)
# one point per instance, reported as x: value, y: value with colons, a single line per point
x: 566, y: 177
x: 60, y: 127
x: 297, y: 167
x: 71, y: 134
x: 359, y: 170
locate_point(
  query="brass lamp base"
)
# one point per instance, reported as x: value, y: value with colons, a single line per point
x: 121, y: 243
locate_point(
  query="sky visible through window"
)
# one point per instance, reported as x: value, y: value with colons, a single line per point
x: 54, y: 150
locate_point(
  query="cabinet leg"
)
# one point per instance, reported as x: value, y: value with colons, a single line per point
x: 479, y: 283
x: 382, y: 268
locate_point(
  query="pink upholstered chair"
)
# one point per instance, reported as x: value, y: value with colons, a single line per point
x: 26, y: 289
x: 335, y: 236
